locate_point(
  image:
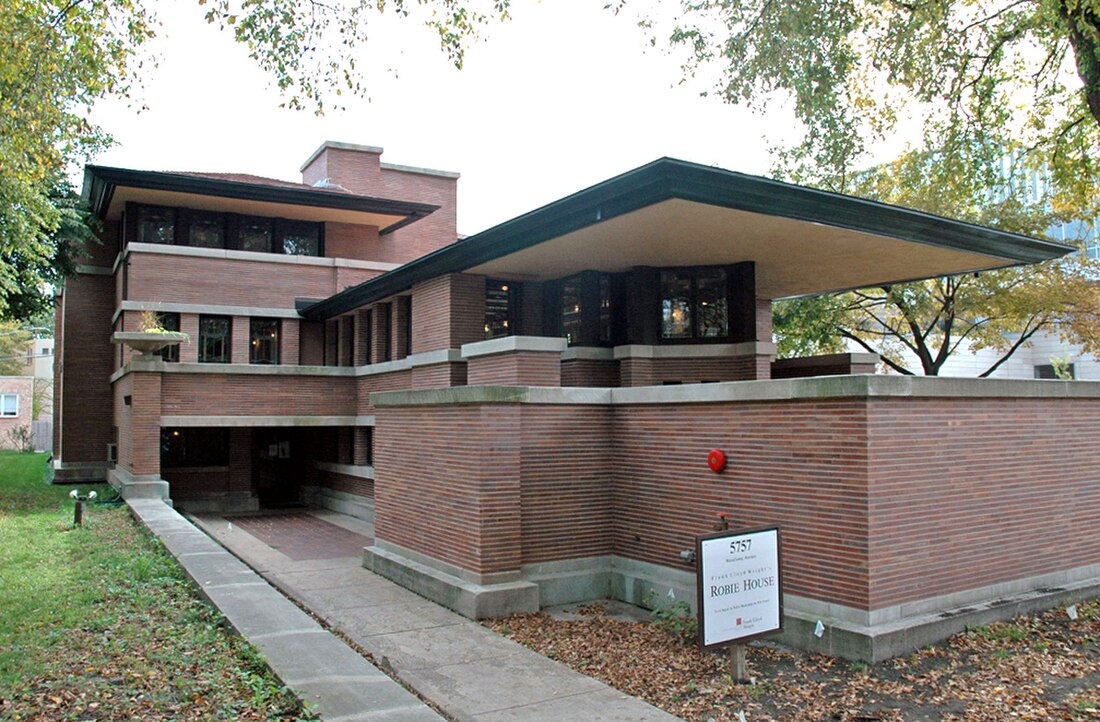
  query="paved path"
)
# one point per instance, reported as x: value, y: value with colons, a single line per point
x: 468, y: 671
x: 325, y: 672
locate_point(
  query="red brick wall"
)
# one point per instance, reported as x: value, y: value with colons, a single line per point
x: 83, y: 415
x: 566, y: 469
x: 438, y: 375
x: 257, y: 395
x: 22, y: 387
x: 366, y: 385
x: 448, y: 311
x: 138, y: 422
x: 347, y: 484
x: 311, y: 343
x: 515, y: 368
x: 658, y: 371
x: 830, y: 365
x: 190, y: 279
x: 590, y: 372
x: 971, y: 492
x: 882, y: 501
x: 361, y: 172
x: 348, y: 240
x: 802, y: 465
x: 196, y: 483
x: 451, y: 489
x: 123, y: 420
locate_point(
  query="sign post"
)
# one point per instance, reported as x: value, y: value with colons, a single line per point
x: 739, y: 589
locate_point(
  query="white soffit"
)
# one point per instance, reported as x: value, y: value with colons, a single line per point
x: 793, y: 257
x: 247, y: 207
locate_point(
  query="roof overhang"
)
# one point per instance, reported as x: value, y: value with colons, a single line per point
x: 673, y: 213
x: 109, y: 189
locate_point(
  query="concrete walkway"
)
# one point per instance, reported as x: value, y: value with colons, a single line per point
x: 466, y: 670
x: 325, y: 672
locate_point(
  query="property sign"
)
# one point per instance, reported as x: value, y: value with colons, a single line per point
x: 738, y: 585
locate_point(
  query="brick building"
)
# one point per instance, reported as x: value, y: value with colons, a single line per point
x: 526, y: 413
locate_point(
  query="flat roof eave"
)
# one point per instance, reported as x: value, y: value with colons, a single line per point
x: 715, y: 201
x: 106, y: 187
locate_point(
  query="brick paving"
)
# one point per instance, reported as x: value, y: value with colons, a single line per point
x: 302, y: 536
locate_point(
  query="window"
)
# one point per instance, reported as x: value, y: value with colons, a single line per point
x: 605, y: 309
x: 407, y: 303
x: 205, y: 230
x: 156, y: 224
x: 571, y: 310
x: 169, y: 322
x: 365, y: 336
x: 694, y: 304
x: 263, y: 347
x: 675, y: 305
x: 1048, y: 371
x: 193, y: 447
x: 254, y: 234
x: 385, y: 330
x: 214, y: 335
x: 9, y: 405
x: 300, y: 238
x: 499, y: 309
x: 712, y: 306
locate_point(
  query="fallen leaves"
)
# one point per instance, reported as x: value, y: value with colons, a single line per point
x: 1044, y: 667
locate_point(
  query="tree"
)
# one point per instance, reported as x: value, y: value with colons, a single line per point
x: 58, y: 57
x: 15, y: 343
x: 998, y: 102
x: 959, y: 75
x: 1000, y: 310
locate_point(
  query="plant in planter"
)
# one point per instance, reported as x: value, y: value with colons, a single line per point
x: 151, y: 338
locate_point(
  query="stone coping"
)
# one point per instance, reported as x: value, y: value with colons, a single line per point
x: 588, y: 353
x: 181, y: 420
x: 825, y: 387
x: 225, y: 254
x: 199, y: 308
x: 514, y: 344
x: 420, y: 171
x: 856, y: 357
x: 364, y: 471
x: 340, y: 145
x: 695, y: 350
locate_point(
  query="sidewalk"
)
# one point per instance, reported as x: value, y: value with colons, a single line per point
x: 466, y: 670
x: 325, y: 672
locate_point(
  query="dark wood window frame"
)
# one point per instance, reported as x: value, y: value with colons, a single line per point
x: 227, y: 355
x: 194, y: 447
x: 281, y: 228
x: 169, y: 322
x: 501, y: 295
x: 265, y: 336
x: 693, y: 272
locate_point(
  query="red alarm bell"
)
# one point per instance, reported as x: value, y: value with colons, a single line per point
x: 716, y: 459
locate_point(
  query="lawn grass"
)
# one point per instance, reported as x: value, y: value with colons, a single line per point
x: 100, y: 623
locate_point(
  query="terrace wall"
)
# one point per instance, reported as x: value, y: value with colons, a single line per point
x: 897, y: 497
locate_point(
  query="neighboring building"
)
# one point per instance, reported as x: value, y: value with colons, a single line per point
x: 16, y: 407
x: 526, y: 413
x: 39, y: 362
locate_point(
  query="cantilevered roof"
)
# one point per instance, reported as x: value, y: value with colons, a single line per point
x: 108, y: 190
x: 674, y: 213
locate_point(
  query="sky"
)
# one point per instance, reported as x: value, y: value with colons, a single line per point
x: 562, y: 96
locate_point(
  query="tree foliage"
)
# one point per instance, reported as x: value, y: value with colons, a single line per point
x: 310, y: 48
x: 998, y: 105
x: 951, y: 75
x: 58, y: 57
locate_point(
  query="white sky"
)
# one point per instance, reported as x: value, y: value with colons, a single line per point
x: 562, y: 96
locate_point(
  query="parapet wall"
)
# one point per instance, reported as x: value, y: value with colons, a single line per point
x: 897, y: 497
